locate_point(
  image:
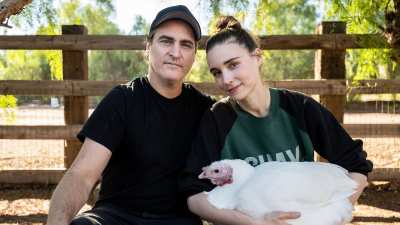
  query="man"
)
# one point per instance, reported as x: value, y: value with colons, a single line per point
x: 137, y: 139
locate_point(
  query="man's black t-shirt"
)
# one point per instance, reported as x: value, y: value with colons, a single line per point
x: 149, y: 137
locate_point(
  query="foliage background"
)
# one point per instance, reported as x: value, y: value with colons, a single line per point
x: 262, y: 17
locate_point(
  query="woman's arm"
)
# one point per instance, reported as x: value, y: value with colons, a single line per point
x: 199, y: 205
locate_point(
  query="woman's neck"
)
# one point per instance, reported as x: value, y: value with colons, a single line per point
x: 258, y: 102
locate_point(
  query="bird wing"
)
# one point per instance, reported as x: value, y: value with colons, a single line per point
x: 222, y: 199
x: 294, y: 185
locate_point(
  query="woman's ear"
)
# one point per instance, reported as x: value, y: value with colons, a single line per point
x: 258, y: 54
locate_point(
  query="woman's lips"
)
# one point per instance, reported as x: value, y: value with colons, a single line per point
x: 233, y: 90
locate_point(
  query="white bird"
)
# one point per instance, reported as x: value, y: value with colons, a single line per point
x: 319, y: 191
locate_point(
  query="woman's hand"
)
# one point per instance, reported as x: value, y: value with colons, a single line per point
x: 362, y: 183
x: 277, y: 218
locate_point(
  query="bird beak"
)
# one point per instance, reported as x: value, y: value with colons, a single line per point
x: 203, y: 175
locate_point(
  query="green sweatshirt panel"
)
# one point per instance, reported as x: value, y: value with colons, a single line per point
x: 275, y: 137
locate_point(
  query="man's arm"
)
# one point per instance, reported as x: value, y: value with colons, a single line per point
x: 199, y: 205
x: 74, y: 188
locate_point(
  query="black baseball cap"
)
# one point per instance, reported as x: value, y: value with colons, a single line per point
x: 179, y: 12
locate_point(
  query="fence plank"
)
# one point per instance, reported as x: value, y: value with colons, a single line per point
x: 56, y: 87
x: 53, y: 176
x: 69, y: 132
x: 37, y: 176
x: 76, y: 108
x: 373, y: 130
x: 384, y: 174
x: 73, y: 42
x: 378, y: 86
x: 100, y: 88
x: 312, y: 87
x: 330, y: 64
x: 123, y: 42
x: 39, y: 132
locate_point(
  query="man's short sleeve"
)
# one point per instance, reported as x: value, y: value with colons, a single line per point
x: 106, y: 125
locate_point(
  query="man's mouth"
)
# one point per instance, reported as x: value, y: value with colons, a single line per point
x: 173, y: 64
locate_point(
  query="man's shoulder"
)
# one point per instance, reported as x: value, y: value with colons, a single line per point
x: 193, y: 91
x: 224, y: 106
x: 132, y: 88
x: 196, y: 95
x: 133, y: 85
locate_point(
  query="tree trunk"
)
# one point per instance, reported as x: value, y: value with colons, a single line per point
x: 9, y: 8
x: 392, y: 30
x: 396, y: 35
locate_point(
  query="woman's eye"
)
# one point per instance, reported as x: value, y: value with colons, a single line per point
x: 233, y: 65
x: 216, y: 171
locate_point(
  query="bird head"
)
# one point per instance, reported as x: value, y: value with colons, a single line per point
x: 227, y: 171
x: 219, y: 173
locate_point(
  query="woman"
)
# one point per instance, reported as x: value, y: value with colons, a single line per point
x: 258, y: 124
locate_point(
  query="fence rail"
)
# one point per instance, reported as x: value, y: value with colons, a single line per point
x: 100, y: 88
x: 69, y: 132
x: 123, y: 42
x: 53, y: 176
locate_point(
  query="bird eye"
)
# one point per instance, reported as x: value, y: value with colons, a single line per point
x: 216, y: 171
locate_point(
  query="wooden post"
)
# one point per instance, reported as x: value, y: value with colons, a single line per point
x: 75, y: 67
x: 330, y: 64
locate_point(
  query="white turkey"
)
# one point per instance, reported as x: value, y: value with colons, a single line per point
x: 319, y: 191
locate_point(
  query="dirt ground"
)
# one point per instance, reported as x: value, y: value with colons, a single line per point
x: 28, y: 204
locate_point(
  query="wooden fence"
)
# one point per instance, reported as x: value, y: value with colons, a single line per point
x: 330, y: 44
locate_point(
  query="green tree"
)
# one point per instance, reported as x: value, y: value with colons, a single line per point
x: 122, y: 64
x: 367, y: 17
x: 7, y: 106
x: 140, y: 27
x: 200, y: 72
x: 45, y: 12
x: 270, y: 18
x: 286, y: 17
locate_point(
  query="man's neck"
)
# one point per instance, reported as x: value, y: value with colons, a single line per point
x: 168, y: 89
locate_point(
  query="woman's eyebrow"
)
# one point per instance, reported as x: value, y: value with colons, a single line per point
x: 230, y: 60
x: 226, y: 62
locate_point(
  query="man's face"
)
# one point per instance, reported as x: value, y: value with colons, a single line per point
x: 171, y: 51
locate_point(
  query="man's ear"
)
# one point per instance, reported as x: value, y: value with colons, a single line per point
x: 148, y: 44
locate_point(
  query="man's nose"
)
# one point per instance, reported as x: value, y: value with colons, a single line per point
x: 175, y: 51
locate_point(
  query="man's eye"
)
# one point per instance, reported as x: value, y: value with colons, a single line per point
x: 216, y: 73
x: 165, y: 41
x: 216, y: 171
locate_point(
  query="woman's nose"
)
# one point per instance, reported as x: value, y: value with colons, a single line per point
x: 227, y: 77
